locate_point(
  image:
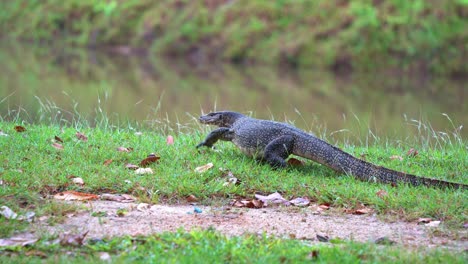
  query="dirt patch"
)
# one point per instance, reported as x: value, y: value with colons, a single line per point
x: 290, y: 222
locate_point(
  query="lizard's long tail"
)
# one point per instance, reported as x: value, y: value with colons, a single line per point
x: 335, y: 158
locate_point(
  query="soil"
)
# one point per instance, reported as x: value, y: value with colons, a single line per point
x: 291, y: 222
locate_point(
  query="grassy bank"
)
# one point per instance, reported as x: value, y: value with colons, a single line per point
x: 34, y: 167
x: 335, y: 34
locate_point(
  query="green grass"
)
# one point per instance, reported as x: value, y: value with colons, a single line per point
x: 31, y: 169
x: 211, y: 247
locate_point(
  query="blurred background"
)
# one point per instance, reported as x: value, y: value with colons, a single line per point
x: 338, y: 68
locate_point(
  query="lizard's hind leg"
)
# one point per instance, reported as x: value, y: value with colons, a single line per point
x: 278, y: 150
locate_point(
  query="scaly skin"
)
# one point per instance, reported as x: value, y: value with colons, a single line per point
x: 274, y: 142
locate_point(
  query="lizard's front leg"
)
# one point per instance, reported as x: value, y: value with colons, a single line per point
x: 222, y: 133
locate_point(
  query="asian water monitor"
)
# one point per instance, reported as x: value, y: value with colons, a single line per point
x: 273, y: 142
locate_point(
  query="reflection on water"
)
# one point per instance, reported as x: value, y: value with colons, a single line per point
x: 143, y: 89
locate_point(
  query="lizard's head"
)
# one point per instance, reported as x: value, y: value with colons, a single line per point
x: 220, y: 119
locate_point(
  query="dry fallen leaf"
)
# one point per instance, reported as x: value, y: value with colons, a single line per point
x: 57, y: 146
x: 124, y: 149
x: 272, y: 198
x: 324, y: 206
x: 81, y: 136
x: 131, y: 166
x: 143, y: 207
x: 152, y: 158
x: 78, y: 181
x: 424, y: 220
x: 382, y: 193
x: 107, y: 162
x: 6, y: 212
x: 67, y: 239
x: 295, y: 162
x: 247, y: 203
x: 362, y: 211
x: 433, y: 224
x: 192, y: 198
x: 300, y: 201
x: 20, y: 128
x: 75, y: 196
x: 394, y: 157
x: 322, y: 238
x: 58, y: 139
x: 313, y: 255
x: 204, y: 168
x: 121, y: 198
x: 144, y: 171
x: 170, y: 140
x: 19, y: 240
x: 412, y: 152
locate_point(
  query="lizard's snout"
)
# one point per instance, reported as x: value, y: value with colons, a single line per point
x: 205, y: 119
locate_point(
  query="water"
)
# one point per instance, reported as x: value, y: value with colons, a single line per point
x: 46, y: 84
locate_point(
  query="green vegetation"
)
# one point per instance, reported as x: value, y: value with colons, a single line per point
x: 362, y: 34
x: 211, y: 247
x: 32, y: 169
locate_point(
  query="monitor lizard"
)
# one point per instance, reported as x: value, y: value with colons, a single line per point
x: 274, y: 142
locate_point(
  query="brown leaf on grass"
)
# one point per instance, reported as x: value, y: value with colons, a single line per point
x: 362, y: 211
x: 204, y: 168
x: 275, y: 198
x: 412, y: 152
x: 192, y: 198
x: 107, y: 162
x: 20, y: 129
x: 324, y: 206
x: 424, y: 220
x: 78, y: 181
x: 124, y: 149
x: 300, y: 201
x: 394, y: 157
x: 81, y: 136
x: 121, y: 198
x: 381, y: 193
x: 152, y: 158
x: 248, y: 203
x: 75, y: 196
x: 313, y: 254
x: 68, y: 239
x: 295, y: 162
x: 131, y: 166
x: 19, y: 240
x: 140, y: 171
x: 58, y: 139
x: 57, y: 146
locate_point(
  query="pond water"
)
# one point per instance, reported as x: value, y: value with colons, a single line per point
x: 43, y: 84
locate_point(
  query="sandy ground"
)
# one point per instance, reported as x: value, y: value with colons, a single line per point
x: 290, y: 222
